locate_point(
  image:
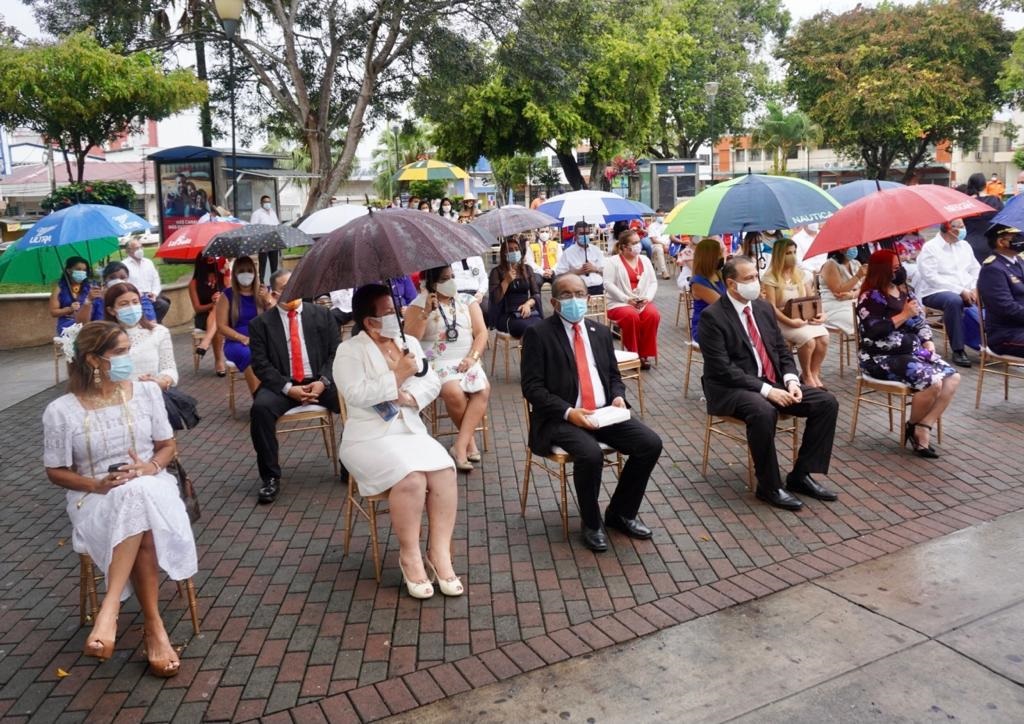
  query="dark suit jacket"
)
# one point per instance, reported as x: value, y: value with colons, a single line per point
x: 729, y: 357
x: 268, y: 344
x: 549, y: 379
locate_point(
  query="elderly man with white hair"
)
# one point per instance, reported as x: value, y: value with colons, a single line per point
x: 143, y: 274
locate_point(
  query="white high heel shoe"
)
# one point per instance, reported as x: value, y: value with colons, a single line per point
x: 451, y: 587
x: 417, y: 590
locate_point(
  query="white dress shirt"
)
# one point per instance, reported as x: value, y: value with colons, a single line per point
x: 262, y: 216
x: 739, y: 307
x: 307, y: 371
x: 342, y: 299
x: 142, y: 273
x: 595, y: 377
x: 470, y: 275
x: 656, y: 231
x: 803, y: 242
x: 945, y: 267
x: 575, y: 256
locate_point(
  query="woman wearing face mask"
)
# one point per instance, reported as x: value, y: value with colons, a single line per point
x: 841, y: 276
x: 896, y: 344
x: 630, y: 285
x: 114, y: 273
x: 706, y: 285
x: 108, y: 442
x: 454, y: 335
x: 385, y: 446
x: 69, y: 299
x: 203, y: 291
x: 784, y: 281
x: 513, y: 293
x: 152, y: 353
x: 542, y: 255
x: 238, y: 304
x: 446, y: 210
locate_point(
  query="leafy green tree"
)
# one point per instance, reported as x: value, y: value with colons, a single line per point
x: 436, y: 189
x: 510, y: 172
x: 889, y: 83
x: 779, y: 133
x: 112, y: 193
x: 80, y: 95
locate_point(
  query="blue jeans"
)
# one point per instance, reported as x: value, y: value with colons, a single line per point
x: 961, y: 321
x: 647, y: 246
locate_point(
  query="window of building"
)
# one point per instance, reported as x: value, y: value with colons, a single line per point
x: 984, y: 144
x: 755, y: 154
x: 793, y: 153
x: 997, y: 144
x: 740, y: 155
x: 583, y: 158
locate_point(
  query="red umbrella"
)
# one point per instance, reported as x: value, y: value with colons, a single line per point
x: 893, y: 212
x: 189, y: 242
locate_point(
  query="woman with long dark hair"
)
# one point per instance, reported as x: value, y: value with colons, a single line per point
x: 204, y: 289
x: 69, y: 300
x: 513, y: 293
x: 896, y: 344
x: 237, y: 306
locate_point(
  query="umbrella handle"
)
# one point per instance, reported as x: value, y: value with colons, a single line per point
x: 401, y: 326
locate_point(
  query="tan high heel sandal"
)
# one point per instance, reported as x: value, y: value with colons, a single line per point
x: 165, y: 668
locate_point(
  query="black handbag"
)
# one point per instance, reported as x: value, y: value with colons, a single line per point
x: 182, y: 409
x: 186, y: 489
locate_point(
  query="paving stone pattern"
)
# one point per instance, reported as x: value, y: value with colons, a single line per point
x: 292, y: 630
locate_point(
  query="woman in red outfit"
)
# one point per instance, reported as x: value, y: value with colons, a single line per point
x: 630, y: 285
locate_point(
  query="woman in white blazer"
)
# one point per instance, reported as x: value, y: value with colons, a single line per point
x: 630, y: 285
x: 385, y: 445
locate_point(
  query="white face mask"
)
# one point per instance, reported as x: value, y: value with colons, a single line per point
x: 749, y: 290
x: 544, y: 236
x: 138, y: 253
x: 813, y: 228
x: 266, y: 206
x: 389, y: 326
x: 635, y: 249
x: 245, y: 278
x: 448, y: 288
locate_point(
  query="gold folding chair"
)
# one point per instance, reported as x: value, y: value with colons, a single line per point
x: 433, y: 414
x: 509, y: 344
x: 311, y: 417
x: 718, y: 425
x: 629, y: 370
x: 365, y: 505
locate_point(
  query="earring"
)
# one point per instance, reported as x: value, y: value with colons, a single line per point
x: 96, y: 376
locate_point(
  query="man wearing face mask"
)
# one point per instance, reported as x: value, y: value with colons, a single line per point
x: 292, y: 346
x: 659, y: 242
x: 568, y: 371
x: 947, y: 274
x: 543, y: 254
x: 804, y: 238
x: 1001, y: 288
x: 749, y: 374
x: 583, y: 259
x: 265, y: 214
x: 143, y: 274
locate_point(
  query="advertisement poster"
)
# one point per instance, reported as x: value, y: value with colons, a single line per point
x: 186, y: 193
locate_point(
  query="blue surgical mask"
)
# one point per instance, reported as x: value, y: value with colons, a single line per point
x: 79, y: 276
x: 961, y: 233
x: 121, y: 368
x: 514, y: 257
x: 130, y: 315
x: 572, y: 310
x: 851, y: 253
x: 583, y: 240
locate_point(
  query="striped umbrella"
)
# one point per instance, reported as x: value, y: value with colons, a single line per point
x: 431, y: 170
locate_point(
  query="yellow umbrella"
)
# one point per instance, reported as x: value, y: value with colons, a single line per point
x: 431, y: 170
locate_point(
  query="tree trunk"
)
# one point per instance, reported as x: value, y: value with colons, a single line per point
x: 914, y: 159
x: 597, y: 177
x: 569, y: 167
x: 67, y: 164
x: 205, y: 119
x: 80, y: 154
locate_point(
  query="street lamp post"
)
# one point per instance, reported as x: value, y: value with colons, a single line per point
x: 711, y: 89
x: 398, y: 159
x: 229, y: 12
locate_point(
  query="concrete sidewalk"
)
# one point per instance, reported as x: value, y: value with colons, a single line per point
x: 27, y: 372
x: 931, y: 633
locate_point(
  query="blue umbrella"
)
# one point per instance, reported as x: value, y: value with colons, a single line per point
x: 1012, y: 215
x: 848, y: 193
x: 87, y: 230
x: 595, y: 207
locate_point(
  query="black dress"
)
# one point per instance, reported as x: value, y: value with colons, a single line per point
x: 205, y: 291
x: 504, y: 310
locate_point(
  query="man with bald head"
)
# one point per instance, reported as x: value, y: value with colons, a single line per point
x: 568, y: 371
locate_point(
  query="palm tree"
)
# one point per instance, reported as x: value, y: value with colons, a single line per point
x: 780, y: 132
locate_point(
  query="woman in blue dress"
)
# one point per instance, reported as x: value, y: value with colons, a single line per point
x: 706, y: 285
x: 237, y: 306
x: 69, y: 300
x: 896, y: 344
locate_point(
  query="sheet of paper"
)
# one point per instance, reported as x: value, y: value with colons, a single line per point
x: 610, y: 415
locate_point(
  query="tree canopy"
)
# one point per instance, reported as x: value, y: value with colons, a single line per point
x: 887, y: 84
x: 80, y: 95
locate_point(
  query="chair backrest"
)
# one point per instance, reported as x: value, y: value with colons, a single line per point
x: 597, y: 309
x: 342, y: 408
x: 856, y: 327
x: 981, y: 319
x: 527, y: 408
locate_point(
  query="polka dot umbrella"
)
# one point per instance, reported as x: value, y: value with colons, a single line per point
x: 252, y: 239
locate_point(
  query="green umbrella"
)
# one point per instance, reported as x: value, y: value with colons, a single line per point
x: 45, y: 264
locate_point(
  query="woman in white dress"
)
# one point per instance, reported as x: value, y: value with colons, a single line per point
x: 839, y: 285
x: 451, y: 328
x: 152, y: 352
x: 385, y: 446
x: 108, y: 442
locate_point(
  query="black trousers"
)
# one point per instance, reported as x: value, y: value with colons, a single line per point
x: 632, y: 438
x: 267, y: 406
x: 161, y: 305
x: 819, y: 407
x: 270, y: 261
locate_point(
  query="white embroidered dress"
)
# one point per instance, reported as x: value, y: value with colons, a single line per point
x: 73, y: 434
x: 152, y: 352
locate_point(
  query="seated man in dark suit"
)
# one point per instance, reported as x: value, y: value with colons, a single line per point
x: 749, y: 374
x: 293, y: 346
x: 568, y: 371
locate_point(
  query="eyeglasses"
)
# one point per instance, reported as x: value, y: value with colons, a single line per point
x: 572, y: 295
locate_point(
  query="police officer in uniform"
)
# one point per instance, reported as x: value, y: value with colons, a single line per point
x: 1001, y: 288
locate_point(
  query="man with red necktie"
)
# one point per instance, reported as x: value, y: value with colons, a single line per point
x: 293, y: 346
x: 749, y: 374
x: 568, y: 371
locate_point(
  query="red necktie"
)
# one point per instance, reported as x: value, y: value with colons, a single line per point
x: 583, y: 370
x: 296, y: 344
x: 755, y: 337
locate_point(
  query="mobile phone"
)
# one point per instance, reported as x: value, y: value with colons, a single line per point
x: 116, y: 468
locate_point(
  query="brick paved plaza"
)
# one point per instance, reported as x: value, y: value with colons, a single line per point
x: 292, y: 630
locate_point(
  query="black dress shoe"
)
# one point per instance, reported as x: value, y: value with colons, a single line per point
x: 269, y: 491
x: 779, y: 498
x: 960, y: 359
x: 595, y: 539
x: 806, y: 485
x: 630, y: 526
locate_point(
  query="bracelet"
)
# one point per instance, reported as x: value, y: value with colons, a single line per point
x: 475, y: 355
x: 157, y: 465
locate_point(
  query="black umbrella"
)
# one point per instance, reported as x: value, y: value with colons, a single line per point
x: 255, y: 238
x: 381, y: 245
x: 510, y: 220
